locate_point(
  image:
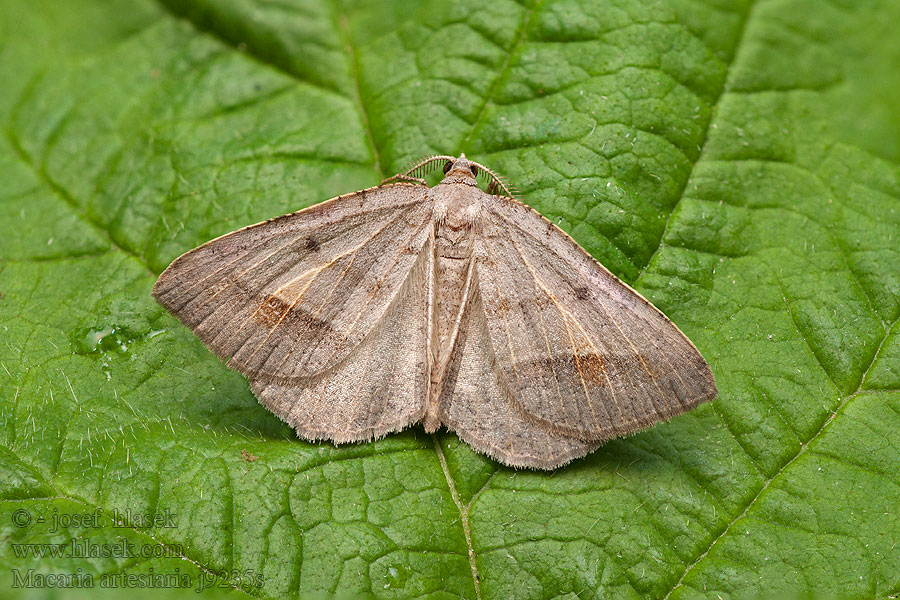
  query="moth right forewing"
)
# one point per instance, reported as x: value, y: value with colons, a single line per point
x: 578, y: 349
x: 476, y: 404
x: 292, y: 296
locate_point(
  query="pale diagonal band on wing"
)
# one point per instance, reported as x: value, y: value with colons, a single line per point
x: 215, y: 341
x: 244, y: 363
x: 416, y: 233
x: 201, y: 283
x: 289, y: 352
x: 311, y: 274
x: 358, y: 399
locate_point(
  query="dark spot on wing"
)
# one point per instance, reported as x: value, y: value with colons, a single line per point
x: 582, y: 293
x: 312, y: 245
x: 275, y: 311
x: 591, y: 367
x: 588, y: 366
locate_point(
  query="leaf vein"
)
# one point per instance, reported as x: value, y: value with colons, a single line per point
x: 712, y: 117
x: 802, y: 450
x: 463, y: 514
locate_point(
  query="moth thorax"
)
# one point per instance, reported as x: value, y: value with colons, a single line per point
x: 457, y: 209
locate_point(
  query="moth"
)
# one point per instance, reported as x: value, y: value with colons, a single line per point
x: 448, y: 305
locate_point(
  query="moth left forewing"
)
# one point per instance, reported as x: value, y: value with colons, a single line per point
x: 292, y: 297
x: 577, y: 348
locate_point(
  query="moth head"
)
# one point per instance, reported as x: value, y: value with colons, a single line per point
x: 461, y: 167
x: 460, y: 170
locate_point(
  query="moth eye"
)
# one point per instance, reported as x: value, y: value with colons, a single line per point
x: 447, y: 166
x: 474, y: 170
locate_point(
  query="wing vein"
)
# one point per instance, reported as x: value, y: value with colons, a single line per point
x: 373, y: 293
x: 665, y: 358
x: 291, y: 239
x: 564, y: 314
x: 612, y: 320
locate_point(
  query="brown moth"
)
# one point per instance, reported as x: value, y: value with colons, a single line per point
x: 450, y: 306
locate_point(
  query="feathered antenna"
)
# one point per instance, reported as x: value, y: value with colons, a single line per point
x: 424, y: 166
x: 497, y: 182
x: 415, y: 172
x: 418, y: 169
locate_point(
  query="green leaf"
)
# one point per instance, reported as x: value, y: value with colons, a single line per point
x: 737, y: 161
